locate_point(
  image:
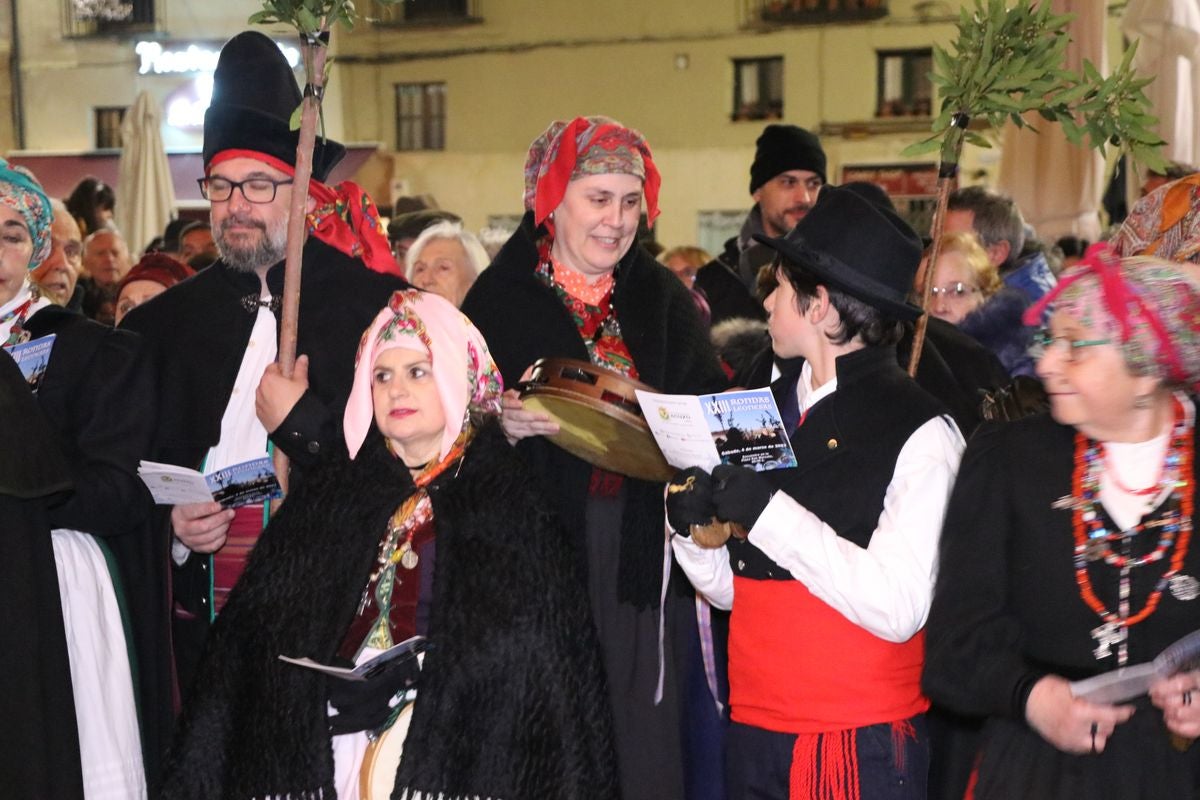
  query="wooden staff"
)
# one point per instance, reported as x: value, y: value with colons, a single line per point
x: 314, y: 53
x: 945, y: 184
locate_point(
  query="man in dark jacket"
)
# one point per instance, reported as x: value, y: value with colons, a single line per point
x: 785, y: 178
x: 223, y: 400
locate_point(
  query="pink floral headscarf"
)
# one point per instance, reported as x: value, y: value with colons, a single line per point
x: 1149, y: 307
x: 467, y: 379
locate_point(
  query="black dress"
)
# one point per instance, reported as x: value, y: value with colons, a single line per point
x: 39, y: 740
x: 620, y: 539
x: 1007, y: 610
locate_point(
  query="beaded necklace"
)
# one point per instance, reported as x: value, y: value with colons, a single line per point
x: 1093, y: 542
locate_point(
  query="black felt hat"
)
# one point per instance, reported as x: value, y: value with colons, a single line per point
x: 854, y: 245
x: 254, y: 95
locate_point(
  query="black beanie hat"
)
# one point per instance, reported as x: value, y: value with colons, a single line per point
x: 254, y: 95
x: 785, y: 147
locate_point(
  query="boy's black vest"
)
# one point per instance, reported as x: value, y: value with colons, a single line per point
x: 847, y: 448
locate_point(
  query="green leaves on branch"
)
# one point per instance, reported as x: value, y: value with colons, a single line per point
x: 1007, y: 62
x: 310, y: 17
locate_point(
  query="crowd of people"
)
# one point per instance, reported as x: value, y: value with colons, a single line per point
x: 478, y: 612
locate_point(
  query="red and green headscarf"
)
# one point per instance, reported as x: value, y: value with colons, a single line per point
x: 586, y: 146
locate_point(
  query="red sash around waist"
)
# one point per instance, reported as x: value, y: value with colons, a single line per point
x: 796, y: 665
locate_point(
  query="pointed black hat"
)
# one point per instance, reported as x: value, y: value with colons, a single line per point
x: 866, y: 250
x: 254, y: 95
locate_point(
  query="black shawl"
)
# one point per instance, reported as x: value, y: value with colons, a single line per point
x: 39, y: 740
x: 511, y: 703
x: 523, y: 320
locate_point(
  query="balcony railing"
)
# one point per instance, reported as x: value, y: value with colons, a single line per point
x: 83, y: 18
x: 811, y: 12
x: 427, y: 12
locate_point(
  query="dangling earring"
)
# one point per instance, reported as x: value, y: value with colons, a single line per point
x: 1142, y: 401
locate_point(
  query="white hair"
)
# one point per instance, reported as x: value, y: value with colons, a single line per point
x: 476, y: 255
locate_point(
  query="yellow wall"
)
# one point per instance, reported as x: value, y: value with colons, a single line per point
x: 528, y: 62
x: 531, y: 62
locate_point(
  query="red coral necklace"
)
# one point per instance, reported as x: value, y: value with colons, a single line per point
x: 1094, y: 542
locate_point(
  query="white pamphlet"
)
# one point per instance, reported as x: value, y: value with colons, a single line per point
x: 743, y: 428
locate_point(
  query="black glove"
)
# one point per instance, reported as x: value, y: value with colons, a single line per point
x: 689, y: 500
x: 363, y: 705
x: 740, y: 494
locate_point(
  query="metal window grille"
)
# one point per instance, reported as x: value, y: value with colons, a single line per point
x: 428, y: 12
x: 82, y: 18
x: 420, y: 116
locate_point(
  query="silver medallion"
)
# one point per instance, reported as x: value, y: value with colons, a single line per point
x: 1184, y: 587
x: 408, y: 557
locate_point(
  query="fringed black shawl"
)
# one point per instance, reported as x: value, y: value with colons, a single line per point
x: 511, y: 703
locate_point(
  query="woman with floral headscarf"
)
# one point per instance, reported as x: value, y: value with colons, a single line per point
x: 1068, y: 552
x: 429, y: 525
x: 93, y: 391
x: 572, y: 282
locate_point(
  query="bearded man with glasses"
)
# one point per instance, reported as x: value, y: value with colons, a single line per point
x: 222, y: 399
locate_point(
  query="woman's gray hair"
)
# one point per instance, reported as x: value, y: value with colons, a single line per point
x: 476, y: 255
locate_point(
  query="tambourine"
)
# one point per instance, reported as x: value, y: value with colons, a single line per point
x: 598, y: 415
x: 381, y: 762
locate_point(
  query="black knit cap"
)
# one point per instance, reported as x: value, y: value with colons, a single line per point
x: 852, y: 244
x: 254, y: 95
x: 785, y: 147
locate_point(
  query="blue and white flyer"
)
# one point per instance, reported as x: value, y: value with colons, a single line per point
x: 240, y: 485
x: 742, y: 428
x: 33, y: 357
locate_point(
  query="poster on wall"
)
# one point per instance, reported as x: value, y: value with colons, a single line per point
x: 911, y: 186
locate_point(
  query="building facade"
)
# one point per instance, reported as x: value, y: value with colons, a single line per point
x: 446, y: 95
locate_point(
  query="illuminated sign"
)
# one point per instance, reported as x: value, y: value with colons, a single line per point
x: 186, y: 105
x: 155, y: 59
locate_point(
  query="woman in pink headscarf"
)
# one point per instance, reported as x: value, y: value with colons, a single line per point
x: 1068, y: 550
x: 428, y: 526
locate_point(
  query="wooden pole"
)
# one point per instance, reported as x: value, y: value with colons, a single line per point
x: 314, y: 53
x: 947, y: 174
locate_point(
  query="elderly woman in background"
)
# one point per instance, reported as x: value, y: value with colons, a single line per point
x: 93, y: 394
x: 968, y: 292
x: 428, y: 525
x: 685, y: 261
x: 150, y: 277
x: 572, y: 282
x: 1067, y: 548
x: 445, y: 260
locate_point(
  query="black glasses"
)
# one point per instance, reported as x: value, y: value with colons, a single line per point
x: 255, y: 190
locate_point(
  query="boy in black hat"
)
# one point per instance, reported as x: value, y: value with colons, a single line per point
x: 831, y: 581
x: 214, y: 337
x: 785, y: 180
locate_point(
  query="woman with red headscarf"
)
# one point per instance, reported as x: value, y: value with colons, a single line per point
x: 572, y: 282
x: 1067, y: 550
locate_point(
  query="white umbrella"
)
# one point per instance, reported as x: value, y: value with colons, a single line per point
x: 145, y: 192
x: 1058, y: 185
x: 1170, y: 51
